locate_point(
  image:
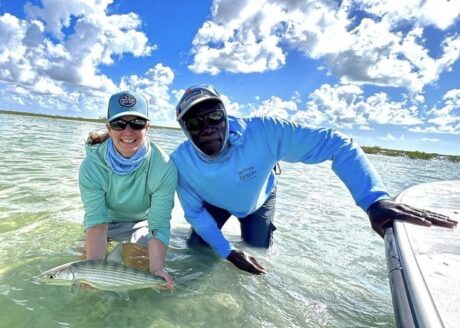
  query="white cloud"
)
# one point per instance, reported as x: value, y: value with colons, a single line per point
x: 232, y: 107
x: 277, y: 107
x: 336, y: 103
x: 380, y: 57
x: 63, y: 69
x: 344, y: 106
x: 446, y: 118
x: 389, y: 137
x: 254, y: 36
x: 51, y: 99
x: 338, y: 106
x: 58, y: 14
x: 379, y: 109
x: 440, y: 13
x: 310, y: 116
x: 12, y: 32
x: 238, y: 40
x: 431, y: 139
x: 154, y: 85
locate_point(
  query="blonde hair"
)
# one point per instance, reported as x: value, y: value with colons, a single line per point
x: 97, y: 137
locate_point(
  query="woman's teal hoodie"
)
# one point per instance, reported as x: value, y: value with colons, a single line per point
x: 144, y: 194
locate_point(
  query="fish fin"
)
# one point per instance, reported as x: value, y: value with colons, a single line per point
x: 78, y: 285
x: 116, y: 254
x: 123, y: 295
x: 75, y: 287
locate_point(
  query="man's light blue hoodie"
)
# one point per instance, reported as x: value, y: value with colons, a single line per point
x: 241, y: 178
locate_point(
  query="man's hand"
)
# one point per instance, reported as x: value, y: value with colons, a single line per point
x: 245, y: 262
x: 383, y: 212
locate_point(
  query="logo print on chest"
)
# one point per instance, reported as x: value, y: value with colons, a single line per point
x: 247, y: 174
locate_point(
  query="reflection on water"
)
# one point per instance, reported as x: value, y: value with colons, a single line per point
x: 326, y: 267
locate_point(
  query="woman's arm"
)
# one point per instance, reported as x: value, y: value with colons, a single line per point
x: 157, y: 254
x: 96, y: 242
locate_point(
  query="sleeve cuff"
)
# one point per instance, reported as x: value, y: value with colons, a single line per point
x: 371, y: 199
x: 224, y: 253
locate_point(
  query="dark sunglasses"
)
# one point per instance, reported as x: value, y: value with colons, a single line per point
x: 197, y: 123
x: 136, y: 124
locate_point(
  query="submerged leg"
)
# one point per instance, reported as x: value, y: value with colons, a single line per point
x: 257, y: 228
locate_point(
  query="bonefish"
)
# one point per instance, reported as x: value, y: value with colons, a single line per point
x: 102, y: 275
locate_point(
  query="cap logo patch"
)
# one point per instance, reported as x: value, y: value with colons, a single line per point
x: 191, y: 93
x: 127, y: 101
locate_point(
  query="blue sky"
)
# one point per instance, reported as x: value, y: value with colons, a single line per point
x: 383, y: 71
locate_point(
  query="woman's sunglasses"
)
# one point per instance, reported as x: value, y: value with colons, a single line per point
x: 136, y: 124
x: 197, y: 123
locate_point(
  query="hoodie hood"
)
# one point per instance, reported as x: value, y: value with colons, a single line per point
x: 97, y: 154
x: 237, y: 129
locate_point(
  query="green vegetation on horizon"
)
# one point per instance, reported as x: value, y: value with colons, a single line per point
x: 408, y: 153
x: 71, y: 118
x: 367, y: 149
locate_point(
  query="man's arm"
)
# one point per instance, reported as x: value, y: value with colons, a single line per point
x: 351, y: 165
x: 205, y: 226
x: 202, y: 222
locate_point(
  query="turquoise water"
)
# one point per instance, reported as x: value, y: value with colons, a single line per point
x: 326, y: 267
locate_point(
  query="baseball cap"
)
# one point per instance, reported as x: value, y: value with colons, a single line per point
x: 194, y: 95
x: 127, y: 103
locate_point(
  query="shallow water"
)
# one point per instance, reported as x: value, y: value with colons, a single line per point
x: 326, y: 267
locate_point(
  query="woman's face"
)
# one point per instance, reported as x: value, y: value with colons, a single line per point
x: 128, y: 140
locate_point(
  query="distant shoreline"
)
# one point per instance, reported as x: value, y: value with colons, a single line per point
x: 367, y: 149
x: 71, y: 118
x: 409, y: 154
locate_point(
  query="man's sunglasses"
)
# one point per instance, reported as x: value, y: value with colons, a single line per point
x: 197, y: 123
x: 136, y: 124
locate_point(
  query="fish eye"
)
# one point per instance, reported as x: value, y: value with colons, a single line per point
x: 51, y: 276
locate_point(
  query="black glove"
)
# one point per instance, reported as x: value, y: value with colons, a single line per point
x: 245, y: 262
x: 383, y: 212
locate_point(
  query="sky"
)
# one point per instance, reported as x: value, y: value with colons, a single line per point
x: 386, y: 72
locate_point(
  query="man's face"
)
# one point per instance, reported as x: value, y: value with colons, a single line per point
x: 206, y: 125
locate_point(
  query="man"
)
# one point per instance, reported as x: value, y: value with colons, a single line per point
x: 226, y: 168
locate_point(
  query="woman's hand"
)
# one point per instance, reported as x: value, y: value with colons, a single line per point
x: 164, y: 275
x: 157, y: 254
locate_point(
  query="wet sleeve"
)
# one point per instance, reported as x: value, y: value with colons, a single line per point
x: 296, y: 143
x: 202, y: 222
x: 162, y: 203
x: 93, y: 197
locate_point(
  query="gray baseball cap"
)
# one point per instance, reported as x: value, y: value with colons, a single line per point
x: 194, y: 95
x: 127, y: 103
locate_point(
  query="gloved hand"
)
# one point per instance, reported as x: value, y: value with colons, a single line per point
x: 383, y: 212
x: 245, y: 262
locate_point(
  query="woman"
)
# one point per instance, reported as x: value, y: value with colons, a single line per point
x: 127, y: 185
